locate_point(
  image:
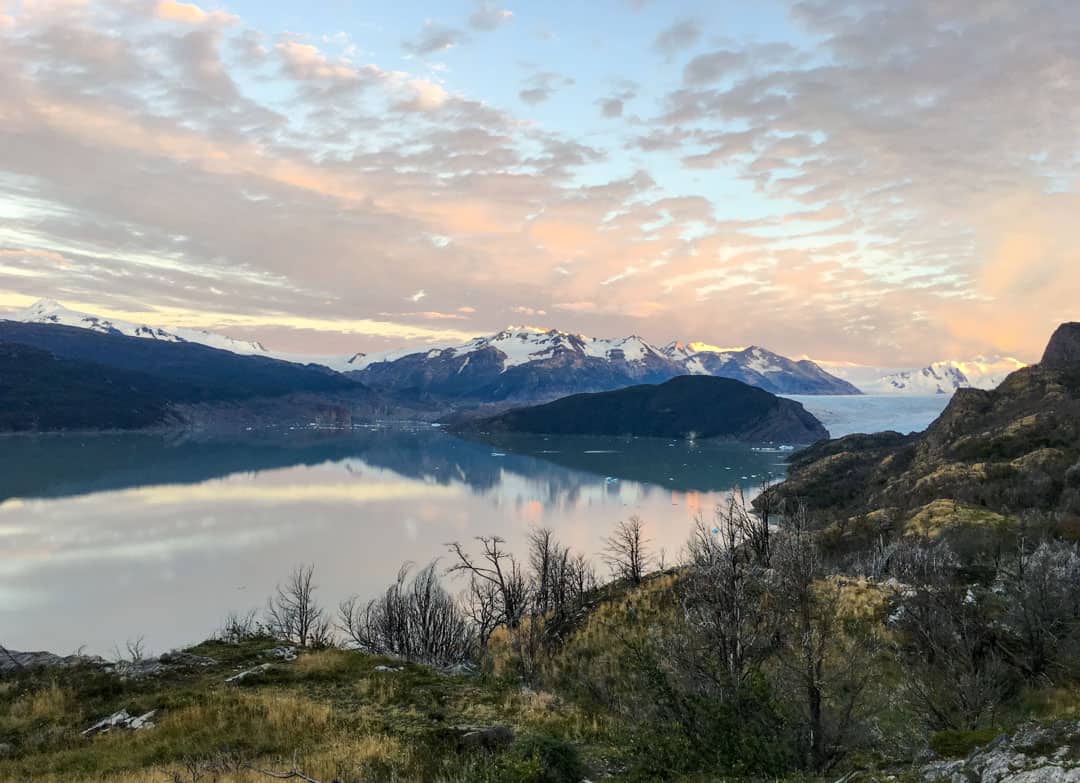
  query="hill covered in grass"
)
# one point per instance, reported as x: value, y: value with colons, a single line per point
x: 684, y: 407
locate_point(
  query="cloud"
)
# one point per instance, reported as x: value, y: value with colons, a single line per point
x: 680, y: 36
x: 711, y: 67
x: 189, y: 13
x: 434, y: 38
x: 489, y: 16
x: 897, y: 182
x: 540, y: 87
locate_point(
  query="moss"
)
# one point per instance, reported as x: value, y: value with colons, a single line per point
x: 936, y: 518
x: 954, y: 744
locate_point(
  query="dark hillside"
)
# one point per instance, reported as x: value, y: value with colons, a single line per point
x: 698, y: 406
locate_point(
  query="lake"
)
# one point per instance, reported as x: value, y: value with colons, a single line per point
x: 109, y: 538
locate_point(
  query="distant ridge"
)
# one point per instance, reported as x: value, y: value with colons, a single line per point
x: 517, y: 364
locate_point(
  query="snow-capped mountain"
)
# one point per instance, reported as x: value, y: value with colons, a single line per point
x: 943, y: 377
x: 758, y: 367
x: 516, y: 364
x: 525, y: 363
x: 49, y: 311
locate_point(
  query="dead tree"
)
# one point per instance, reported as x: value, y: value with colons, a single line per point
x: 626, y: 551
x: 292, y: 613
x: 498, y: 589
x: 415, y: 619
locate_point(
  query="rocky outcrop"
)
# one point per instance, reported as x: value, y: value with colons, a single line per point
x: 1014, y: 447
x: 12, y: 661
x: 1064, y: 346
x: 122, y: 720
x: 1034, y: 754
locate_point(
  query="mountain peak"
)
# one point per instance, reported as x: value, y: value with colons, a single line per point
x: 1064, y: 345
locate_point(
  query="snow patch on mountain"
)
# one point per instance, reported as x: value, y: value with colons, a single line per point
x: 941, y: 377
x: 49, y: 311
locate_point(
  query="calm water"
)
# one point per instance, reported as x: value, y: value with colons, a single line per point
x: 109, y: 538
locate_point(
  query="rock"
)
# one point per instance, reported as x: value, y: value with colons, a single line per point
x: 391, y: 669
x: 12, y: 661
x: 262, y: 667
x: 283, y: 653
x: 1034, y: 754
x: 1064, y: 346
x: 484, y: 737
x: 6, y: 750
x: 175, y: 660
x: 121, y: 720
x: 460, y: 670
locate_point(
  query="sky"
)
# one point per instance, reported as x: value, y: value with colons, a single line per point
x: 886, y: 182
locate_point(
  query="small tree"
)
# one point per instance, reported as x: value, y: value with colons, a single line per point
x: 415, y: 619
x: 292, y: 613
x: 498, y: 591
x: 626, y: 551
x: 1044, y: 608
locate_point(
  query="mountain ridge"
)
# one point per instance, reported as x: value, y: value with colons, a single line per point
x: 519, y: 363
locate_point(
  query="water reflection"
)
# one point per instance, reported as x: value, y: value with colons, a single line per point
x: 112, y: 537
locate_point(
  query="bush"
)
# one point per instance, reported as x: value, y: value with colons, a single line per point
x: 549, y: 760
x: 951, y: 744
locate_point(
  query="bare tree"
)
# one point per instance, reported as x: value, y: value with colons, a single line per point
x: 722, y: 595
x: 239, y: 627
x: 292, y: 613
x: 498, y: 590
x: 626, y: 551
x: 1044, y: 608
x: 827, y: 666
x: 414, y: 619
x: 558, y: 578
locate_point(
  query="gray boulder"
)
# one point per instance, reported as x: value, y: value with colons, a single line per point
x: 1034, y: 754
x: 122, y: 720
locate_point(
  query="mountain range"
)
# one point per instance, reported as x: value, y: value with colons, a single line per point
x: 518, y: 364
x: 942, y: 377
x: 527, y: 364
x: 49, y: 311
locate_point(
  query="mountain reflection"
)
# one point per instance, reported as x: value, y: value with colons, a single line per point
x: 66, y: 466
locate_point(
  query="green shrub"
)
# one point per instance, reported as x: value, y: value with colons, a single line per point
x: 953, y: 744
x: 548, y: 760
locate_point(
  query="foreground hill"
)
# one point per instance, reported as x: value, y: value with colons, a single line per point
x: 996, y: 452
x: 689, y: 406
x: 61, y: 378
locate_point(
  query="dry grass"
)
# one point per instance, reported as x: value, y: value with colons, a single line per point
x: 49, y: 703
